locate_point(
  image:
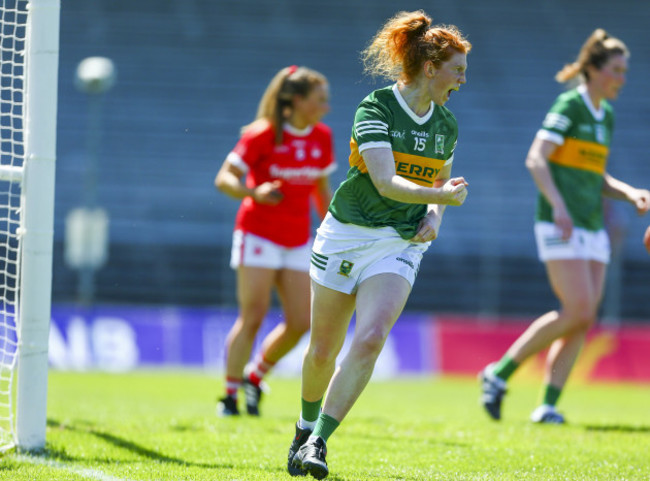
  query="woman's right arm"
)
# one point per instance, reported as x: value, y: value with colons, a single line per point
x: 537, y: 164
x: 229, y: 180
x: 381, y: 167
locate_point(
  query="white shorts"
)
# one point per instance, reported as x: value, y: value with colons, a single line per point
x: 583, y: 244
x: 345, y: 255
x: 254, y: 251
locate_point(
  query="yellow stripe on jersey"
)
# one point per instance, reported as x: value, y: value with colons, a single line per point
x: 355, y: 158
x: 419, y: 170
x: 581, y: 154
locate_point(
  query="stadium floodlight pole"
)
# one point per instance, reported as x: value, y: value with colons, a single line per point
x: 41, y: 62
x: 86, y: 239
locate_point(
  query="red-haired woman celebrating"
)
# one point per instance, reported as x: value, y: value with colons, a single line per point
x: 381, y: 220
x: 281, y: 162
x: 567, y: 161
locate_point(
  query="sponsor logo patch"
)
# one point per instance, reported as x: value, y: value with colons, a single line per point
x: 440, y: 144
x: 345, y: 268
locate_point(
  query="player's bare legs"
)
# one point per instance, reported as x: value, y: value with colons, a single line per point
x: 564, y: 352
x: 331, y: 312
x: 380, y: 300
x: 578, y: 285
x: 561, y: 357
x: 254, y: 286
x: 293, y: 291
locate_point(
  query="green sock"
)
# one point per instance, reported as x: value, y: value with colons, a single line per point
x: 325, y: 426
x: 551, y: 395
x: 311, y: 410
x: 505, y: 367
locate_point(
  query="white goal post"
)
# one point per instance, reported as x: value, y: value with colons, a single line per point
x: 29, y: 57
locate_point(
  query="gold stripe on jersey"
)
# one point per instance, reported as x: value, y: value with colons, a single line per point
x: 355, y: 158
x: 581, y: 154
x: 419, y: 170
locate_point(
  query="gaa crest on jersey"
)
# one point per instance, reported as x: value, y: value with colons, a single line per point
x: 439, y: 144
x: 345, y: 268
x: 601, y: 133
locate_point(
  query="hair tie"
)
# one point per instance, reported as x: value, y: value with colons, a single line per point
x: 292, y: 69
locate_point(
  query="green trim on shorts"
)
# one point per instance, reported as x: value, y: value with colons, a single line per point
x: 319, y: 261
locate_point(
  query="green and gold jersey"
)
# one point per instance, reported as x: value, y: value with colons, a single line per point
x: 421, y: 147
x: 578, y: 165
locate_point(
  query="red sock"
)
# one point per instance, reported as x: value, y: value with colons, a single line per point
x: 258, y: 369
x: 232, y: 386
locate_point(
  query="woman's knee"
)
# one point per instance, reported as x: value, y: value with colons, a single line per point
x: 297, y: 326
x: 581, y: 315
x: 321, y: 354
x: 293, y: 333
x: 370, y: 343
x: 251, y: 320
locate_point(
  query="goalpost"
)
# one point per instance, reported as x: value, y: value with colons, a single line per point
x: 29, y: 42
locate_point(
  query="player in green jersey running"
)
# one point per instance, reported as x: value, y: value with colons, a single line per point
x: 567, y: 161
x: 381, y: 220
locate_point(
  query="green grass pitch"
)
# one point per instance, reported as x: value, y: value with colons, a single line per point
x: 160, y: 425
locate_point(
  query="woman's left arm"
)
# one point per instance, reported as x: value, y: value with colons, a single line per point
x: 322, y: 195
x: 429, y: 226
x: 619, y: 190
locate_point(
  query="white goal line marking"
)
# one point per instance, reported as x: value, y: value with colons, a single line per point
x: 85, y: 472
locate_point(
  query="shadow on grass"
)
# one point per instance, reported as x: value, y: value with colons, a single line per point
x: 620, y: 428
x: 405, y: 441
x: 124, y: 444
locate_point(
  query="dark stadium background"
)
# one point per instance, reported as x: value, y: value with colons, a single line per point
x: 191, y: 72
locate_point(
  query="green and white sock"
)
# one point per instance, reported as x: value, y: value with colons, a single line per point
x: 309, y: 414
x: 551, y: 395
x: 505, y: 367
x: 325, y: 427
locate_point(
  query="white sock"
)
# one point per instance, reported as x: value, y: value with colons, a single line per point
x: 302, y: 424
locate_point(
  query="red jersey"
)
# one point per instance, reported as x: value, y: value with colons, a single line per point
x: 301, y: 158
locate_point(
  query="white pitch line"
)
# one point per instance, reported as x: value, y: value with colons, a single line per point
x: 85, y: 472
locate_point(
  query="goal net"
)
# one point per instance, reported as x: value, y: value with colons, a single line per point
x: 12, y: 150
x: 28, y: 90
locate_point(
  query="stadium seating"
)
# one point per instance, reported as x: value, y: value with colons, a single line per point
x: 191, y: 72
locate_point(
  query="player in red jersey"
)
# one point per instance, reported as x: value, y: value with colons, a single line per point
x: 281, y: 163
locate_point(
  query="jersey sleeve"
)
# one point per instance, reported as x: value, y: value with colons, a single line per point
x: 371, y: 125
x: 249, y: 149
x: 329, y: 160
x: 557, y: 123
